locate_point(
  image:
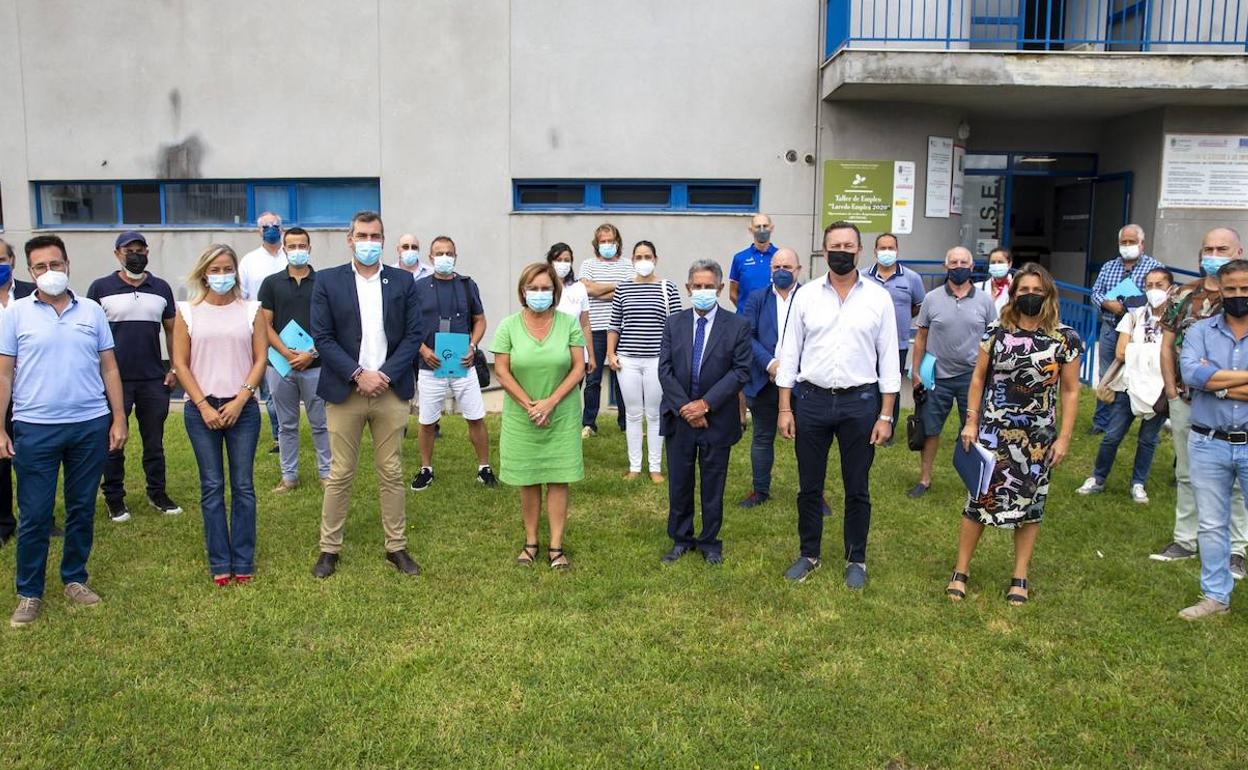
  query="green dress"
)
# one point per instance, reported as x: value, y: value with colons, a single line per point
x: 528, y: 454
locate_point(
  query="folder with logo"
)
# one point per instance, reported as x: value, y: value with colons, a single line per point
x: 451, y: 347
x: 975, y: 466
x: 295, y: 338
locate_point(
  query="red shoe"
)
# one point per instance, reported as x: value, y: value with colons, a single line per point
x: 240, y: 579
x: 221, y: 580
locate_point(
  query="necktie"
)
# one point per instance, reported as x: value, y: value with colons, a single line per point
x: 699, y: 341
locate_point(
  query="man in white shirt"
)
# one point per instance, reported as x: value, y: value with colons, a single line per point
x: 256, y: 265
x: 839, y: 356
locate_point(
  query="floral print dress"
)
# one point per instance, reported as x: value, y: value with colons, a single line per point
x: 1019, y: 420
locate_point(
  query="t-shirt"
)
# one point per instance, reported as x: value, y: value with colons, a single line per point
x: 574, y: 300
x: 289, y: 300
x: 255, y: 266
x: 604, y: 271
x: 954, y: 327
x: 1191, y: 303
x: 751, y: 269
x: 638, y: 312
x: 136, y: 315
x: 455, y: 299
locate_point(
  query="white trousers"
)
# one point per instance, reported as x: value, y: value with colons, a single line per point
x: 639, y: 384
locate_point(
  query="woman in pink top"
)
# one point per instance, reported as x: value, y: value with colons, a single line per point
x: 219, y: 354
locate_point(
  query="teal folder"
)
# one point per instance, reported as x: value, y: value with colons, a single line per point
x: 451, y: 347
x: 295, y: 338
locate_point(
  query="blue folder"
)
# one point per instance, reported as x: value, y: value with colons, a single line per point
x: 1125, y: 289
x: 295, y: 338
x: 975, y: 466
x: 451, y: 347
x: 927, y: 371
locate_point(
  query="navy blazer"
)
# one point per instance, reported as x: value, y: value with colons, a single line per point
x: 725, y: 369
x: 760, y: 311
x: 336, y: 330
x: 22, y: 289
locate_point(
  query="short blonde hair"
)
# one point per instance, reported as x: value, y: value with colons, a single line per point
x: 534, y: 270
x: 197, y: 281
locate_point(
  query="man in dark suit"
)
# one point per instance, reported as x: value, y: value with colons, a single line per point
x: 366, y: 325
x: 704, y: 362
x: 10, y: 289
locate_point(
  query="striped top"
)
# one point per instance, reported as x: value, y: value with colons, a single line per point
x: 638, y: 313
x: 604, y: 271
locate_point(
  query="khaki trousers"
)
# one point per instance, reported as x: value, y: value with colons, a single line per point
x: 386, y: 418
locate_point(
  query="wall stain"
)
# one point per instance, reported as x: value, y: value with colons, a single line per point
x: 181, y: 160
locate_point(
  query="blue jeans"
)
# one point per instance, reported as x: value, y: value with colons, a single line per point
x: 1120, y: 419
x: 1216, y: 467
x: 766, y: 409
x: 231, y: 544
x: 39, y: 453
x: 1107, y: 345
x: 593, y: 385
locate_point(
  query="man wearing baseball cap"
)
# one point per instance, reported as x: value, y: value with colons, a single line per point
x: 137, y: 305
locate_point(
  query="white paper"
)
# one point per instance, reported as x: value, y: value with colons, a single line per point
x: 903, y: 197
x: 959, y: 179
x: 1204, y: 171
x: 939, y: 176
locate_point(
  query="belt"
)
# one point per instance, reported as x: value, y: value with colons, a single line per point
x: 842, y: 391
x: 1237, y: 437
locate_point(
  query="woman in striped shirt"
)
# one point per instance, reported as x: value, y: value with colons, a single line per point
x: 639, y: 310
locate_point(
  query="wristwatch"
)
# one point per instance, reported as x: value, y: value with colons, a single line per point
x: 888, y: 418
x: 1220, y: 393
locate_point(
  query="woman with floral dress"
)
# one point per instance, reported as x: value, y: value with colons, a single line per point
x: 1025, y: 361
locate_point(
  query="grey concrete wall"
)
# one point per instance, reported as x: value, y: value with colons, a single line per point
x: 1133, y: 143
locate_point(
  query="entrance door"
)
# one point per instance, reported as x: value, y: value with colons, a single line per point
x: 1110, y: 210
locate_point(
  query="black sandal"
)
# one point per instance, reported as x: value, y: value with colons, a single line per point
x: 528, y: 554
x: 955, y: 594
x: 1013, y: 598
x: 554, y: 555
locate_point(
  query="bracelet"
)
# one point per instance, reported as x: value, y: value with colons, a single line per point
x: 782, y: 411
x: 201, y: 402
x: 249, y: 387
x: 972, y: 411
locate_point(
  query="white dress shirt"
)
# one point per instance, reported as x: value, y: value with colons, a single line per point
x: 257, y: 265
x: 782, y: 317
x: 835, y: 344
x: 373, y: 343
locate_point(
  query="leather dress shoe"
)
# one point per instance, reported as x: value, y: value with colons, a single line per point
x: 325, y: 565
x: 677, y: 551
x: 403, y: 563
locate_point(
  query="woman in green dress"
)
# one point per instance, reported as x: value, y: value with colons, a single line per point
x: 539, y: 360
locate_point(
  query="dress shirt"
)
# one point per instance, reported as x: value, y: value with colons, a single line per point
x: 255, y: 266
x: 835, y: 344
x: 782, y: 315
x: 1209, y: 346
x: 373, y: 343
x: 1112, y: 273
x: 710, y: 322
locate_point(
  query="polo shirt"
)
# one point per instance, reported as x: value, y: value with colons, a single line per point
x: 456, y: 300
x: 57, y: 376
x: 135, y: 315
x: 905, y: 287
x: 289, y: 300
x: 955, y: 327
x: 751, y: 269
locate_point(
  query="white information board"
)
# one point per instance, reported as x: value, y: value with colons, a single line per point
x: 1204, y: 171
x: 903, y: 197
x: 939, y: 176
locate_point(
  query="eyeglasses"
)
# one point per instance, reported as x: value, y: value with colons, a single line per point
x: 42, y: 267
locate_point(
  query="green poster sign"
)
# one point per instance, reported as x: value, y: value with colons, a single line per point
x: 859, y: 191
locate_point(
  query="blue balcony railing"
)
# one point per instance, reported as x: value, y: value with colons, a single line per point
x: 1040, y: 25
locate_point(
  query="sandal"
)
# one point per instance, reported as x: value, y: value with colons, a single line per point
x: 1013, y: 598
x: 528, y: 555
x: 557, y: 559
x: 954, y: 594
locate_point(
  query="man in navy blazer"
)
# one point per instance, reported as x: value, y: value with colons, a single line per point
x: 704, y: 362
x: 767, y: 310
x: 367, y: 327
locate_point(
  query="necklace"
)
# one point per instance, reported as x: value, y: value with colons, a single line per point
x: 540, y: 331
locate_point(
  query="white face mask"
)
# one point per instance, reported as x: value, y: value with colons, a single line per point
x: 562, y: 269
x: 1156, y: 297
x: 53, y: 283
x: 1129, y: 253
x: 644, y: 267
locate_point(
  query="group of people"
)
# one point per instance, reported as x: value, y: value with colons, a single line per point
x: 815, y: 362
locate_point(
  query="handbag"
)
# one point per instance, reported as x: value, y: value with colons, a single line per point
x: 915, y: 434
x: 1105, y: 392
x: 483, y: 368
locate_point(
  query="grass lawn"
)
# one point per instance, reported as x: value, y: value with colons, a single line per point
x: 621, y: 662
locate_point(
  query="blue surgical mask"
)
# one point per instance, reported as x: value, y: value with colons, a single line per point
x: 1211, y: 263
x: 6, y: 273
x: 782, y: 279
x: 539, y: 300
x: 608, y: 250
x: 999, y: 269
x: 704, y: 299
x: 222, y: 283
x: 367, y: 253
x: 886, y: 258
x: 271, y: 233
x: 410, y: 257
x: 298, y: 257
x: 444, y: 264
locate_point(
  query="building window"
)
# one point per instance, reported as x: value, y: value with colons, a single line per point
x: 203, y: 203
x: 729, y: 196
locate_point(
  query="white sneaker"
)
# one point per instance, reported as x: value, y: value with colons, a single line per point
x: 1138, y: 494
x: 1090, y: 487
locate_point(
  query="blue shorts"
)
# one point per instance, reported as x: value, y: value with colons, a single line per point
x: 940, y: 401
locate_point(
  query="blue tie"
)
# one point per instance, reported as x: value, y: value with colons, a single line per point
x: 699, y: 340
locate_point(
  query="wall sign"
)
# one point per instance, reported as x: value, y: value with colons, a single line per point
x: 1204, y: 171
x: 859, y: 191
x: 939, y: 177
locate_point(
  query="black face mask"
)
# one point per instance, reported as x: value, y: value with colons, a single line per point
x: 841, y: 262
x: 1029, y: 304
x: 1235, y: 307
x: 135, y: 263
x: 958, y: 275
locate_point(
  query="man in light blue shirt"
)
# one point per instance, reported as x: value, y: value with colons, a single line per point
x: 1214, y: 363
x: 57, y: 365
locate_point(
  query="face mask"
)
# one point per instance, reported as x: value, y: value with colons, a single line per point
x: 6, y: 273
x: 703, y: 299
x: 998, y: 269
x: 1129, y: 253
x: 298, y: 257
x: 958, y: 275
x: 538, y: 300
x: 562, y: 269
x: 271, y: 234
x: 644, y: 267
x: 1156, y: 297
x: 608, y: 250
x: 886, y: 258
x: 841, y: 262
x: 367, y: 253
x: 1235, y: 307
x: 1212, y: 264
x: 53, y: 283
x: 782, y: 279
x: 410, y: 257
x: 135, y: 265
x: 1029, y: 304
x: 762, y: 235
x: 444, y: 264
x: 222, y: 283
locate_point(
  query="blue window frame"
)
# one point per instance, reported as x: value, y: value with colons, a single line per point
x: 640, y: 195
x: 202, y: 202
